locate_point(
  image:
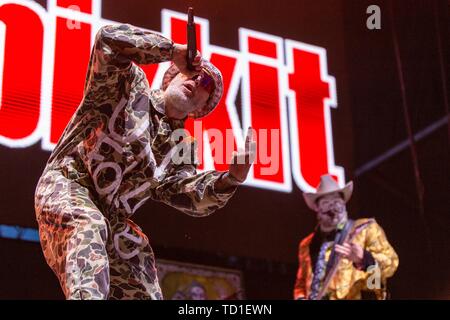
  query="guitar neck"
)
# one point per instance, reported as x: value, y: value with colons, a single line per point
x: 348, y: 238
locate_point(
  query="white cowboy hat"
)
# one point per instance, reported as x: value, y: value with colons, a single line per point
x: 326, y: 186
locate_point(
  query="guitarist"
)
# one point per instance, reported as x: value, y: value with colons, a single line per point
x: 361, y: 264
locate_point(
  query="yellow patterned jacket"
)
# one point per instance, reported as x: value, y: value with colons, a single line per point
x: 349, y: 282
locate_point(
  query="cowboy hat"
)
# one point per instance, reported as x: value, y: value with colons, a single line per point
x: 214, y: 97
x: 326, y: 186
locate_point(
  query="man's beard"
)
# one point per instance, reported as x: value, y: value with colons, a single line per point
x: 332, y: 220
x: 178, y: 99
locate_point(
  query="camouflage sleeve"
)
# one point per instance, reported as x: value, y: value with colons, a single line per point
x: 193, y: 193
x: 116, y: 47
x: 123, y: 43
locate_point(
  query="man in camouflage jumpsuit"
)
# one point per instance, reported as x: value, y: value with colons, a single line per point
x: 116, y: 153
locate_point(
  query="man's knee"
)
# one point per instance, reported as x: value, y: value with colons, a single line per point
x: 93, y: 229
x: 88, y: 293
x: 87, y: 265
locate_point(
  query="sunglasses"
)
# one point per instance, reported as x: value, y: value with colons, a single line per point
x: 204, y: 80
x: 332, y: 207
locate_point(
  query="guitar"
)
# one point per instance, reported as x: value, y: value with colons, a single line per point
x: 332, y: 271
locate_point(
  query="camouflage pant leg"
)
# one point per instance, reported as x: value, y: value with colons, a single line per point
x: 73, y: 234
x: 132, y: 263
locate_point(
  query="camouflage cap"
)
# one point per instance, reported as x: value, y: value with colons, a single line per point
x: 215, y: 96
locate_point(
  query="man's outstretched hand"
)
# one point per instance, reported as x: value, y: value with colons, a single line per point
x: 242, y: 160
x: 240, y: 165
x: 179, y: 58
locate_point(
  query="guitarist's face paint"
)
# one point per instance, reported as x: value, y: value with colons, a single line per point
x: 331, y: 211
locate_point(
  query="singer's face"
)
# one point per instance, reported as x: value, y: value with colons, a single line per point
x: 331, y: 211
x: 186, y: 94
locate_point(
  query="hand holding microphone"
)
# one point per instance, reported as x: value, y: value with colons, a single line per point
x: 186, y: 57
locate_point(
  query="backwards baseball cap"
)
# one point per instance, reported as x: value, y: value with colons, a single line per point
x: 215, y: 95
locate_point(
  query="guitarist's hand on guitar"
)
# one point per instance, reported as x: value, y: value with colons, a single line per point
x: 351, y: 251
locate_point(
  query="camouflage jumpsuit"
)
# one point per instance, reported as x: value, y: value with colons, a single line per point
x: 113, y: 156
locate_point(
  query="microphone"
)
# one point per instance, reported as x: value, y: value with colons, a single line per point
x: 191, y: 39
